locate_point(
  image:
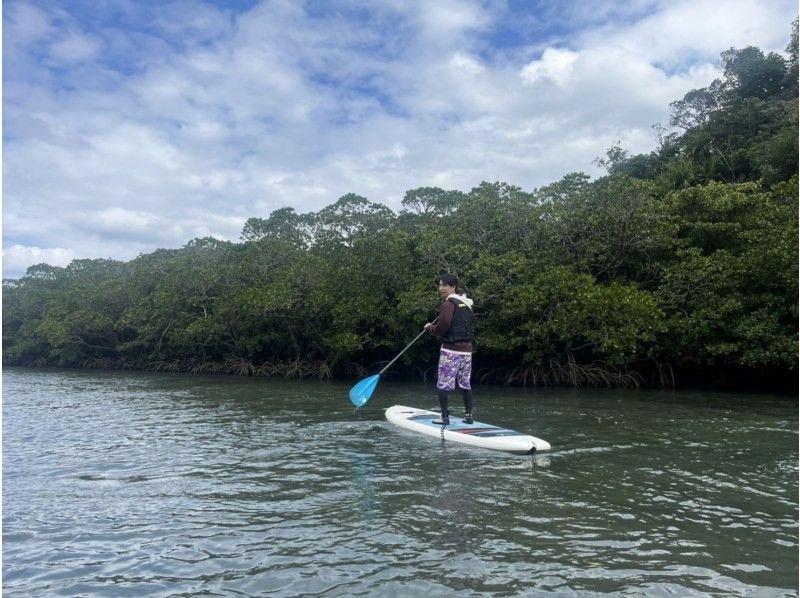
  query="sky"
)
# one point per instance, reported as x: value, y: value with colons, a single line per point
x: 133, y: 125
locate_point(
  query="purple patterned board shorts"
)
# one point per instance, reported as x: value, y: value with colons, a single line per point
x: 454, y: 367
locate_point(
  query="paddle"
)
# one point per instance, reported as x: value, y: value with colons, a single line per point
x: 362, y: 391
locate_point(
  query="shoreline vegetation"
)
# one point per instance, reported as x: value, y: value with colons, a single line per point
x: 677, y: 268
x: 597, y: 375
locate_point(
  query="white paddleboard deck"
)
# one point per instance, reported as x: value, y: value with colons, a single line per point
x: 475, y: 434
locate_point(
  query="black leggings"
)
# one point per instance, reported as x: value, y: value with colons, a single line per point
x: 467, y: 395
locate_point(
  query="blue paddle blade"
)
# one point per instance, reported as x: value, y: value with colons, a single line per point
x: 362, y: 391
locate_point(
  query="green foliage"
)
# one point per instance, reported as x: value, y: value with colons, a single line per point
x: 685, y: 255
x: 557, y: 313
x: 730, y: 284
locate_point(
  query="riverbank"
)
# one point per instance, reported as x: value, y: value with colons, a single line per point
x: 687, y: 376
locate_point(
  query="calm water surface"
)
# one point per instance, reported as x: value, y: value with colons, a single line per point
x: 129, y: 484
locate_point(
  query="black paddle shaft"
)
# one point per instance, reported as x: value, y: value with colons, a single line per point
x: 388, y: 365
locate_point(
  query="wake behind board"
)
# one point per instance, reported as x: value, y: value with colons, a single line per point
x: 475, y: 434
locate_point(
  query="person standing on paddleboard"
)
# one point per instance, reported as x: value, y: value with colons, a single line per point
x: 454, y: 326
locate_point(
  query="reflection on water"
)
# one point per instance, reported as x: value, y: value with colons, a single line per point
x: 134, y: 484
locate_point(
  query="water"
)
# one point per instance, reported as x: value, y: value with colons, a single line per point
x: 129, y: 484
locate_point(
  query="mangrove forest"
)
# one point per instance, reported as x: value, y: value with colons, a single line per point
x: 677, y: 267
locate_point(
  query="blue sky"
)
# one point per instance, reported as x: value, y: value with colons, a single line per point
x: 130, y: 125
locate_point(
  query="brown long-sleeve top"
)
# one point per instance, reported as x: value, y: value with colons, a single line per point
x: 442, y: 326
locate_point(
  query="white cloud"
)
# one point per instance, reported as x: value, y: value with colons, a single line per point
x: 17, y: 258
x: 466, y: 65
x: 75, y: 47
x: 28, y: 22
x: 446, y: 21
x: 121, y: 223
x: 555, y: 65
x: 692, y: 30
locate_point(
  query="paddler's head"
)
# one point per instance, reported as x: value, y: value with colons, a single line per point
x: 448, y: 283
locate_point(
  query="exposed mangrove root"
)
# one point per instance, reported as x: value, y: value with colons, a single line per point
x: 554, y: 373
x: 355, y: 370
x: 300, y: 369
x: 666, y: 376
x: 595, y: 374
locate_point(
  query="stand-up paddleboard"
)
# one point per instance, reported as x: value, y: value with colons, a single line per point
x: 475, y: 434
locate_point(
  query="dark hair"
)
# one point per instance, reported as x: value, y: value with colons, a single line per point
x: 450, y: 280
